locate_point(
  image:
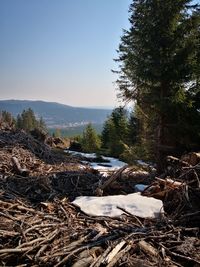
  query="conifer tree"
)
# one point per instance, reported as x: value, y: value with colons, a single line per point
x: 90, y: 141
x: 105, y: 136
x: 7, y: 118
x: 115, y: 132
x: 27, y: 121
x: 19, y: 122
x: 158, y: 64
x: 41, y: 125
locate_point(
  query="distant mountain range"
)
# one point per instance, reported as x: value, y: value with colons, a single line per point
x: 55, y: 114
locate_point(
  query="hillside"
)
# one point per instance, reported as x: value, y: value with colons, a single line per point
x: 56, y: 114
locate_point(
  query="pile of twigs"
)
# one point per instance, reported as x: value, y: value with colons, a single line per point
x: 13, y: 138
x: 57, y: 234
x: 40, y: 227
x: 183, y: 203
x: 45, y: 187
x: 36, y: 177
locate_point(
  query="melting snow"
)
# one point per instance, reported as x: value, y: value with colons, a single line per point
x: 104, y: 168
x: 108, y: 205
x: 86, y: 155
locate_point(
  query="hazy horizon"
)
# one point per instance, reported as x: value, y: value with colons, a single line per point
x: 46, y: 101
x: 61, y: 51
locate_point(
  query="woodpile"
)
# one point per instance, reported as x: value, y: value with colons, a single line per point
x: 12, y: 139
x: 57, y: 234
x: 40, y: 227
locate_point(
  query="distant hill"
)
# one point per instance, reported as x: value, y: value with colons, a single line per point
x: 55, y: 114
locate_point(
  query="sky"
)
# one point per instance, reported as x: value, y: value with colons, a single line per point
x: 61, y: 50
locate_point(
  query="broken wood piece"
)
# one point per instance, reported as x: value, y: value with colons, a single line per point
x: 169, y: 182
x: 192, y: 158
x: 183, y: 257
x: 86, y: 257
x: 18, y: 168
x: 147, y: 248
x: 115, y: 250
x: 139, y: 223
x: 171, y: 159
x: 119, y: 255
x: 83, y: 262
x: 101, y: 258
x: 112, y: 178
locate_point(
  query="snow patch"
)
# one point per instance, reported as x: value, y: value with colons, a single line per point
x: 86, y: 155
x: 104, y: 168
x: 135, y: 204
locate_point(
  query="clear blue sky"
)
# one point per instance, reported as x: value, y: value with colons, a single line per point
x: 60, y: 50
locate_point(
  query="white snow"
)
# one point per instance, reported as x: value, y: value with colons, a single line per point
x: 104, y: 168
x: 141, y: 162
x: 135, y: 204
x: 86, y: 155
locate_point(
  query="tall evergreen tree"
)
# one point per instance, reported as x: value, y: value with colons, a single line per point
x: 158, y: 65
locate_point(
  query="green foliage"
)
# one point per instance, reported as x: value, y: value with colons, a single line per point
x: 159, y: 69
x: 28, y: 122
x: 42, y: 125
x: 73, y: 131
x: 7, y: 119
x: 135, y: 152
x: 118, y: 132
x: 90, y: 141
x: 132, y: 128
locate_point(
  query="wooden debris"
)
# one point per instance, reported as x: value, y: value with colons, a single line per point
x: 114, y: 252
x: 40, y: 227
x: 18, y: 168
x: 192, y: 158
x: 112, y: 178
x: 147, y: 248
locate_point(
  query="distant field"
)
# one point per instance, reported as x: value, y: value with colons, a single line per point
x: 74, y: 131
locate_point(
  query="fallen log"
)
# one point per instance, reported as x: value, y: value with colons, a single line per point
x: 113, y: 178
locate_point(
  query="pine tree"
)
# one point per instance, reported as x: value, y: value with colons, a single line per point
x: 90, y: 141
x: 6, y: 118
x: 115, y: 132
x: 19, y: 122
x: 158, y: 56
x: 27, y: 121
x: 42, y: 125
x: 105, y: 134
